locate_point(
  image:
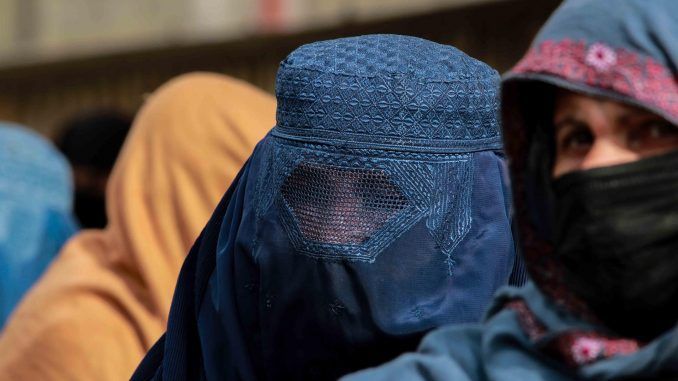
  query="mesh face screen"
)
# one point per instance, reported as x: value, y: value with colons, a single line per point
x: 338, y: 205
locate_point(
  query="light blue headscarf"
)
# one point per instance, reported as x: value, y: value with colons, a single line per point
x: 36, y: 196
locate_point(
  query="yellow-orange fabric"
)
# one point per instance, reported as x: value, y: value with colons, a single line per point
x: 105, y: 299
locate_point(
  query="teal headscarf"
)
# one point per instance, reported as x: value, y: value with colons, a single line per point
x: 36, y: 197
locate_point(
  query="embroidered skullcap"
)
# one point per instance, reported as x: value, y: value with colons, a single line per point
x: 388, y: 89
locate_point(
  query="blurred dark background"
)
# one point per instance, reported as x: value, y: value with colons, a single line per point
x: 59, y: 58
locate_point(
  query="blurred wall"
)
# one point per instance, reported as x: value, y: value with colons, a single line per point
x: 55, y: 29
x: 58, y: 57
x: 52, y: 29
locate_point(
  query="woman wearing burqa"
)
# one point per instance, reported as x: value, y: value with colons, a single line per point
x: 36, y: 210
x: 105, y: 299
x: 590, y: 126
x: 373, y: 212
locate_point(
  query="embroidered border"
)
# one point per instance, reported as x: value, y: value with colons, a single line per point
x: 576, y: 348
x: 436, y: 186
x: 599, y: 65
x: 579, y: 348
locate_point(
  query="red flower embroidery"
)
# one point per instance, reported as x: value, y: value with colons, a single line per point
x: 598, y: 65
x: 585, y: 350
x: 575, y: 348
x: 532, y: 327
x: 579, y: 348
x: 601, y: 57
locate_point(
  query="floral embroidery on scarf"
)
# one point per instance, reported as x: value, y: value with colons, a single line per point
x: 599, y: 65
x: 584, y: 350
x: 575, y: 348
x: 579, y: 348
x: 532, y: 327
x: 601, y: 57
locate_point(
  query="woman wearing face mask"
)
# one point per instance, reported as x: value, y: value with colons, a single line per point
x: 590, y: 126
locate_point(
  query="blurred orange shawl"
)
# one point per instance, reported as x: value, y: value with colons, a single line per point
x: 105, y: 299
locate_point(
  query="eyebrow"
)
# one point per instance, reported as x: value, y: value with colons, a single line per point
x: 568, y: 121
x: 626, y: 115
x: 630, y: 115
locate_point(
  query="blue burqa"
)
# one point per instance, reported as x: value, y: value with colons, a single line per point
x: 376, y: 210
x: 36, y: 201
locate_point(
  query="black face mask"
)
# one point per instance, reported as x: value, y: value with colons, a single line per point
x: 90, y: 210
x: 616, y: 234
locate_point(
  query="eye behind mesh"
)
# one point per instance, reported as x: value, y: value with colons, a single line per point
x: 340, y: 205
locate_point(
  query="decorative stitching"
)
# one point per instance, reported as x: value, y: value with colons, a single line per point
x: 579, y: 348
x: 417, y: 312
x: 336, y: 307
x: 601, y: 66
x: 450, y: 217
x: 370, y: 245
x: 410, y: 182
x: 576, y: 347
x: 407, y: 109
x: 268, y: 301
x: 383, y: 89
x: 377, y: 55
x: 530, y: 324
x: 339, y: 205
x: 395, y: 113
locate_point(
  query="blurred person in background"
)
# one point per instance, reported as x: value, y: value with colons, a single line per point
x: 91, y: 143
x: 376, y: 210
x: 36, y: 202
x: 591, y: 129
x: 105, y: 300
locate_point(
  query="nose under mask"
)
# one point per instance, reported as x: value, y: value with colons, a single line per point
x: 615, y: 232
